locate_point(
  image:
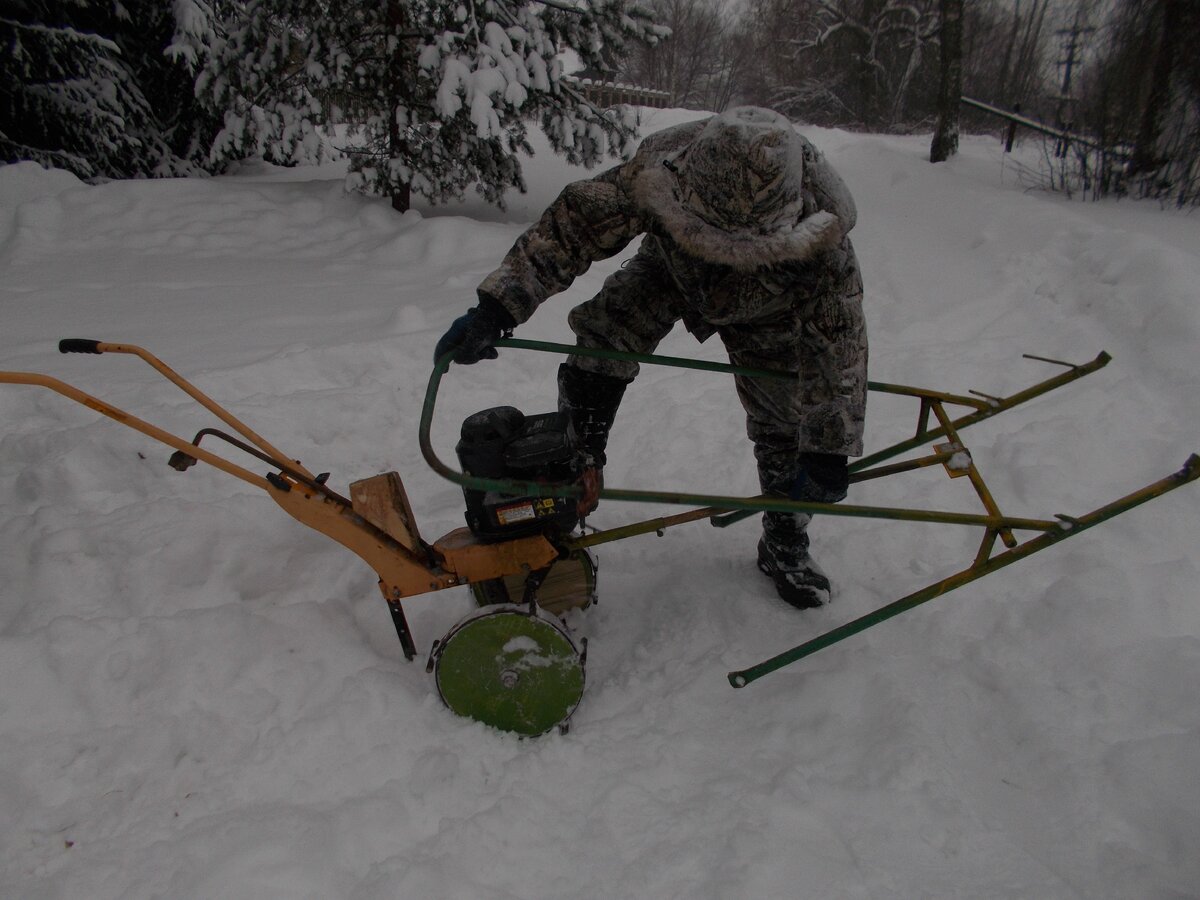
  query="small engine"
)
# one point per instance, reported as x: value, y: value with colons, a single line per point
x: 503, y: 442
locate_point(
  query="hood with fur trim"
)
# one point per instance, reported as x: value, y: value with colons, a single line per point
x: 746, y: 191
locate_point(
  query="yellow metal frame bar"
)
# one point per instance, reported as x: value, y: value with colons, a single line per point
x: 203, y: 399
x: 456, y: 558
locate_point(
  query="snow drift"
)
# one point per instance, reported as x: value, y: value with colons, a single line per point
x: 201, y: 698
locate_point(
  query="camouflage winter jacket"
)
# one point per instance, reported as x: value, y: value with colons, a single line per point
x: 741, y: 243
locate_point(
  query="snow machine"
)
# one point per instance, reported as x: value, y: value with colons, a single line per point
x: 514, y: 663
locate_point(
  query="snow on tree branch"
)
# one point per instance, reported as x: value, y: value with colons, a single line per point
x: 432, y: 97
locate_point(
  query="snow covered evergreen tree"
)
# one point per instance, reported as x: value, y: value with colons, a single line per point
x: 152, y: 35
x: 65, y: 98
x: 435, y: 96
x: 89, y: 87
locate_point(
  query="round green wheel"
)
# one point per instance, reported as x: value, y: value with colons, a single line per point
x: 509, y: 668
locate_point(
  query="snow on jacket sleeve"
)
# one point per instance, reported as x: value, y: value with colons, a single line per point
x: 590, y: 220
x: 826, y: 189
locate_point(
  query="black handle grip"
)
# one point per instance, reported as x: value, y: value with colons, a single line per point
x: 78, y: 345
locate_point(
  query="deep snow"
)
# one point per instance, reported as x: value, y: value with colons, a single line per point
x: 201, y: 698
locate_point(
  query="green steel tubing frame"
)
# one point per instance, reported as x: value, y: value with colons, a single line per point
x: 724, y: 508
x: 954, y: 456
x: 1067, y: 527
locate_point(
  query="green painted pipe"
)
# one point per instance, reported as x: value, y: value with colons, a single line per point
x: 1068, y: 527
x: 718, y: 501
x: 994, y: 408
x: 748, y: 505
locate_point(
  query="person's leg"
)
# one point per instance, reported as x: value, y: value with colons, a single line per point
x: 803, y: 431
x: 832, y: 357
x: 634, y: 310
x: 773, y: 419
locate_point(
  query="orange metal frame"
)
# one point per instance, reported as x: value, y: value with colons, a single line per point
x: 377, y: 525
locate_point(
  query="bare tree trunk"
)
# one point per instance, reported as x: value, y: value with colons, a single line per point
x: 945, y: 135
x: 1025, y: 70
x: 1147, y: 155
x: 866, y: 70
x: 915, y: 57
x: 398, y: 89
x: 1006, y: 65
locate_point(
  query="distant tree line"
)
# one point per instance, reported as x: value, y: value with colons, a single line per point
x: 868, y: 64
x: 1123, y: 71
x: 1141, y: 96
x: 432, y: 97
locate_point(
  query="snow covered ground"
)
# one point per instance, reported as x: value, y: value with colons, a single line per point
x: 200, y: 698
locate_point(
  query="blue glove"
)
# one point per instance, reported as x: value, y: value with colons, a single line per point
x: 471, y: 336
x: 823, y: 478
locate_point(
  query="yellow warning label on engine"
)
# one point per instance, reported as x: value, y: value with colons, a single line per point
x: 522, y: 512
x: 525, y: 510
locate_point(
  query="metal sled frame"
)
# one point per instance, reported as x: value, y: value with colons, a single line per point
x: 378, y: 525
x: 952, y: 454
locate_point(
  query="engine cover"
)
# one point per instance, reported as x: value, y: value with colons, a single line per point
x: 503, y: 442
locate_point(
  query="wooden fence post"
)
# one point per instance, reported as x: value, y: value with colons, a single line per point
x: 1012, y: 130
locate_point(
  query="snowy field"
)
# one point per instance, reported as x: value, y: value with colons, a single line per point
x: 200, y: 698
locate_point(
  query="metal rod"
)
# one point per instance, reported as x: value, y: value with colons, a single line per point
x: 1069, y: 528
x: 677, y: 362
x: 1048, y: 359
x: 782, y: 504
x: 680, y: 362
x: 119, y: 415
x: 650, y: 525
x: 725, y: 519
x: 984, y: 409
x: 976, y: 479
x: 923, y: 393
x: 940, y: 457
x: 1005, y: 403
x: 403, y: 631
x: 204, y: 400
x: 287, y: 469
x: 985, y: 546
x: 720, y: 502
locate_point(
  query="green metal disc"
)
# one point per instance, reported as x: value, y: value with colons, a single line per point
x: 511, y: 670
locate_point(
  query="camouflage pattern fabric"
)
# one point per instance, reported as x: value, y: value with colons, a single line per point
x: 744, y: 228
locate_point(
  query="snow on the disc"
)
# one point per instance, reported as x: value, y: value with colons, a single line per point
x: 199, y: 697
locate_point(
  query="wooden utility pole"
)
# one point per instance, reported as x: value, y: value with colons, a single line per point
x: 1065, y: 113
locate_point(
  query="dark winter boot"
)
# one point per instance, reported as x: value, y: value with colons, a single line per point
x: 590, y: 401
x: 783, y: 556
x: 783, y: 551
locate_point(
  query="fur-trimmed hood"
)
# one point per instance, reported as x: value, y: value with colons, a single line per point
x: 747, y: 192
x: 742, y: 248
